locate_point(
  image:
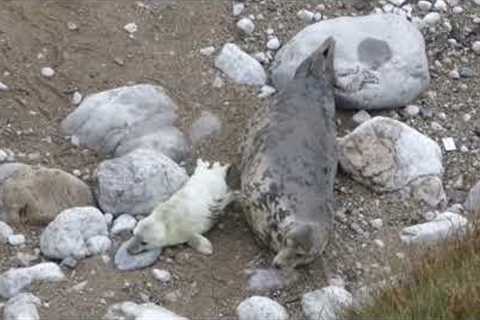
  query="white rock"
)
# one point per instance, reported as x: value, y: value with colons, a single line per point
x: 424, y: 6
x: 147, y: 311
x: 77, y: 98
x: 125, y: 222
x: 441, y: 5
x: 380, y: 60
x: 306, y: 15
x: 5, y: 232
x: 444, y: 226
x: 449, y: 144
x: 207, y: 51
x: 131, y: 27
x: 162, y: 275
x: 361, y: 117
x: 47, y: 72
x: 377, y: 223
x: 3, y: 87
x: 326, y: 303
x: 261, y: 308
x: 22, y: 307
x: 273, y: 44
x: 238, y: 8
x: 239, y: 66
x: 476, y: 47
x: 68, y: 234
x: 387, y: 155
x: 72, y: 26
x: 137, y: 182
x: 266, y: 91
x: 246, y: 25
x: 16, y: 239
x: 15, y: 281
x: 432, y: 18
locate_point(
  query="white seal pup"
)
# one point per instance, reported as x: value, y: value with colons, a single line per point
x: 187, y: 214
x: 289, y: 164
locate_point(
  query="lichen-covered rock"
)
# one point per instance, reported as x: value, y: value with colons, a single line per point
x: 387, y: 155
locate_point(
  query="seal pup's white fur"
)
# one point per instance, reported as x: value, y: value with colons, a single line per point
x: 187, y: 214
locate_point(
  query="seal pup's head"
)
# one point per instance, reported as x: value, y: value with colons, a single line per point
x: 301, y: 245
x: 319, y: 65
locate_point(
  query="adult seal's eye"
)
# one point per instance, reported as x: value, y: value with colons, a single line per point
x: 143, y: 243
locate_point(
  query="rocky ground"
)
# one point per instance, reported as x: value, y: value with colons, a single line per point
x: 91, y: 46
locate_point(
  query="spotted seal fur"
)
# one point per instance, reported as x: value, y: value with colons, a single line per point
x: 289, y: 164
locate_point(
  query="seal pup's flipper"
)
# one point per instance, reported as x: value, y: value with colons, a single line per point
x: 201, y: 244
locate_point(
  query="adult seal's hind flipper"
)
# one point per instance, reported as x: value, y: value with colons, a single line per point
x: 289, y: 164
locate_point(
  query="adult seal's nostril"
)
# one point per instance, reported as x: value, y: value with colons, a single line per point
x: 289, y: 163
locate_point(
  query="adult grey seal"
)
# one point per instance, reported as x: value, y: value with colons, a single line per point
x: 289, y: 164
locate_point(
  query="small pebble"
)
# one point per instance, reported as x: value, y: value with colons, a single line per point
x: 412, y: 110
x: 361, y: 117
x: 246, y: 25
x: 162, y: 275
x: 76, y: 98
x: 377, y: 223
x: 266, y: 91
x: 306, y: 16
x: 16, y: 239
x: 273, y: 43
x: 476, y: 47
x: 379, y: 243
x: 72, y: 26
x: 238, y: 8
x: 208, y: 51
x: 131, y: 27
x: 3, y: 87
x: 432, y: 18
x: 47, y: 72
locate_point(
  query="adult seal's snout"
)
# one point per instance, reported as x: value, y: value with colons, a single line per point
x: 289, y: 164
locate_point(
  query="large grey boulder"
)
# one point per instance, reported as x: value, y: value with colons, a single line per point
x: 240, y: 66
x: 125, y: 117
x: 136, y: 182
x: 261, y: 308
x: 69, y: 234
x: 380, y: 60
x: 387, y: 155
x: 35, y: 195
x: 147, y: 311
x: 22, y: 307
x: 17, y: 280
